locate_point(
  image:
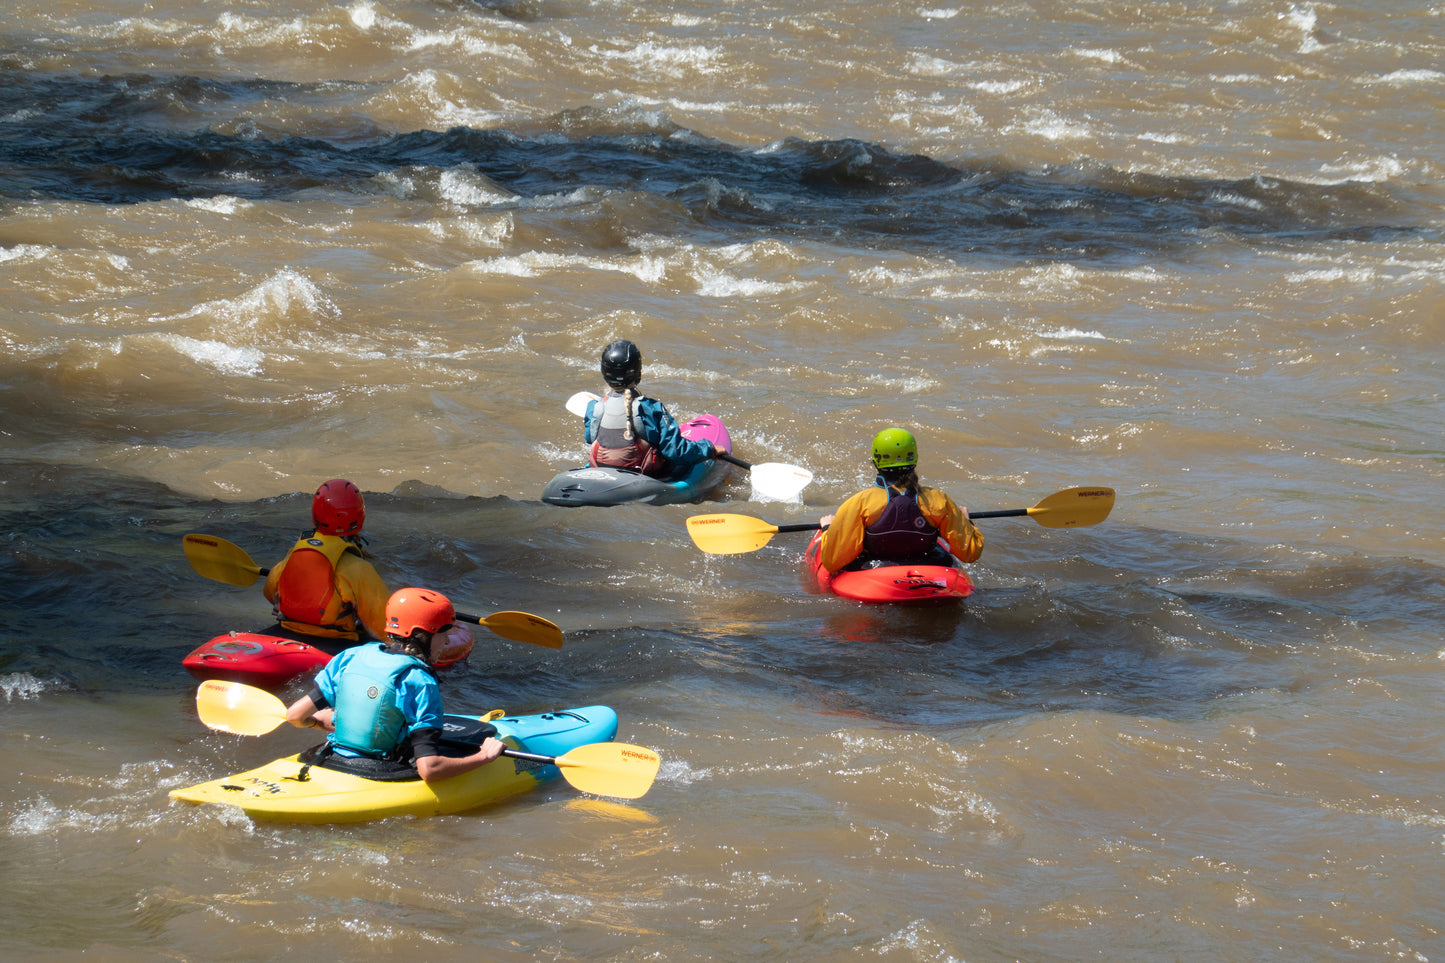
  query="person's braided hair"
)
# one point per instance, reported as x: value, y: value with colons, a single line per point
x: 903, y: 479
x: 630, y: 393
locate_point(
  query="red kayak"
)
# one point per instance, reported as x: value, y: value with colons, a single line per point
x: 887, y: 583
x: 270, y: 661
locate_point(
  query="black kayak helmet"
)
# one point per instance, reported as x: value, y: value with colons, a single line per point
x: 621, y: 364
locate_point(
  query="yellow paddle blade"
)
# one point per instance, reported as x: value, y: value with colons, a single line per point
x: 220, y: 560
x: 242, y: 709
x: 729, y: 534
x: 613, y: 769
x: 1074, y: 507
x: 522, y: 627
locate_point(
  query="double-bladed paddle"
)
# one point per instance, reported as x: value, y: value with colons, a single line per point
x: 771, y: 480
x: 602, y: 768
x: 224, y: 561
x: 735, y: 534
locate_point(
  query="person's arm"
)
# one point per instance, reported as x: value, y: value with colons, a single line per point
x: 843, y: 539
x: 273, y: 581
x: 304, y: 713
x: 434, y: 767
x: 359, y: 584
x: 420, y: 700
x: 313, y: 710
x: 661, y: 431
x: 589, y: 423
x: 963, y: 537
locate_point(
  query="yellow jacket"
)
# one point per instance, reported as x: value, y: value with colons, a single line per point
x: 843, y: 539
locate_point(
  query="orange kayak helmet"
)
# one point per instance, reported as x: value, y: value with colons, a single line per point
x: 337, y: 508
x: 410, y: 609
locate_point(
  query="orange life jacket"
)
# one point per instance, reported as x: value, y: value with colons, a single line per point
x: 306, y: 592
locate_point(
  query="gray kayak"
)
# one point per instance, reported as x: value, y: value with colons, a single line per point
x: 602, y: 485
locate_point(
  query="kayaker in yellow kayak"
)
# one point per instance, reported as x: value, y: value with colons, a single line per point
x: 326, y: 586
x: 897, y: 520
x: 381, y: 701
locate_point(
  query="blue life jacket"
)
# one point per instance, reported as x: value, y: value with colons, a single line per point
x: 368, y: 719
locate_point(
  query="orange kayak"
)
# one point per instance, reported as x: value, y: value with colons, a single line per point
x: 887, y: 584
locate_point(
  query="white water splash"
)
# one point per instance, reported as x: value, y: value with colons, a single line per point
x: 21, y: 685
x: 281, y: 295
x: 363, y: 15
x: 1405, y: 78
x: 226, y: 358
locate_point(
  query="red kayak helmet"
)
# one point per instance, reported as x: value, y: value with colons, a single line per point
x: 410, y: 609
x: 337, y: 508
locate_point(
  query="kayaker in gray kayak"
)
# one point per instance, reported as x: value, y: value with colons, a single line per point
x: 627, y: 429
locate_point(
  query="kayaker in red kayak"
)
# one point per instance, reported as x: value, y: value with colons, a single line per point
x: 627, y: 429
x: 897, y: 519
x: 325, y: 587
x: 382, y: 701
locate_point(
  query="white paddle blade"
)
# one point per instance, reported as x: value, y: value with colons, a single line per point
x: 577, y: 404
x: 779, y: 483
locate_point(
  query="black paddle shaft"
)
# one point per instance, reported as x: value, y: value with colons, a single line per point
x: 461, y: 616
x: 530, y: 756
x: 1000, y: 513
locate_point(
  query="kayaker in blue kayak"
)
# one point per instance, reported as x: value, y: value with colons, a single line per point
x: 382, y: 701
x: 326, y: 587
x: 897, y: 519
x: 627, y: 429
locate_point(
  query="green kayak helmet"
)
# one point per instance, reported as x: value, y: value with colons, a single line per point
x: 894, y: 448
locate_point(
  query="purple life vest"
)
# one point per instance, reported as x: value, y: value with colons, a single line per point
x: 901, y: 531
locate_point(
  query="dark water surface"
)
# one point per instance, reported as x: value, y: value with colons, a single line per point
x: 1191, y: 252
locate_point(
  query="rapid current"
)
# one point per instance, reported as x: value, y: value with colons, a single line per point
x: 1189, y: 251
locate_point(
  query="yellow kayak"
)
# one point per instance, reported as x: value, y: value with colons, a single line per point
x: 293, y: 790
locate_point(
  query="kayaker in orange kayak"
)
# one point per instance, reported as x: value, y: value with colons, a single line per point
x: 897, y: 520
